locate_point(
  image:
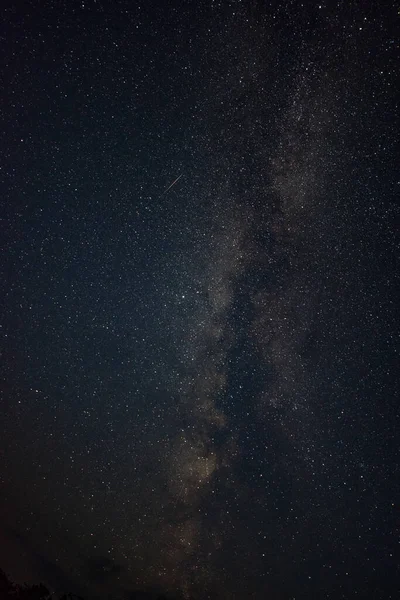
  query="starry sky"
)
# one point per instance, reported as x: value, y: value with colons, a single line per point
x: 199, y: 259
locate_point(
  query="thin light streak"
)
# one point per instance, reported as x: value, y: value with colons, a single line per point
x: 172, y: 184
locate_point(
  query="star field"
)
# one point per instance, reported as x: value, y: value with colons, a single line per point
x: 199, y: 246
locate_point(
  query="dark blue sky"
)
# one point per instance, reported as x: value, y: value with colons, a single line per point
x: 199, y: 385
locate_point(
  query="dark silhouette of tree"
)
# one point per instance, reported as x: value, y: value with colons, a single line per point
x: 14, y: 591
x: 6, y: 587
x: 33, y: 592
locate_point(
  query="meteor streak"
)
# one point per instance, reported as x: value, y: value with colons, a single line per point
x: 172, y: 184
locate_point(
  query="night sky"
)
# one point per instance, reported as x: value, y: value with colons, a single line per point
x: 199, y: 316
